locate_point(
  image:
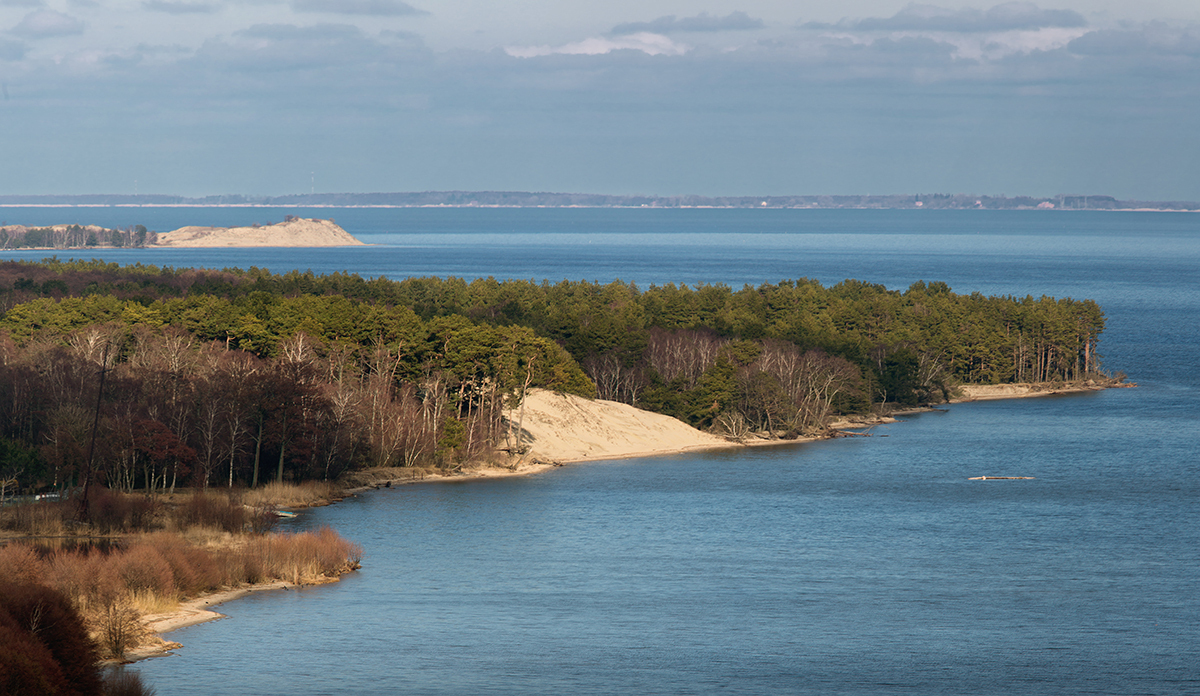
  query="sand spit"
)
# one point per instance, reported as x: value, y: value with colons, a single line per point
x: 990, y: 392
x: 294, y: 232
x: 560, y: 429
x: 189, y: 613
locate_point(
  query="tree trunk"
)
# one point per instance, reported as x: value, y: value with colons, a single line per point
x: 257, y: 452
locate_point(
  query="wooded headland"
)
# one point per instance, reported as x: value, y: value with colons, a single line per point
x: 233, y: 377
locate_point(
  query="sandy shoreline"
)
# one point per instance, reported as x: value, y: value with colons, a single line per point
x: 558, y: 429
x: 190, y: 612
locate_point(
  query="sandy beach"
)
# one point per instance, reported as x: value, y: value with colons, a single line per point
x: 991, y: 392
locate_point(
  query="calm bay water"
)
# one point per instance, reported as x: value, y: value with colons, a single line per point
x: 865, y: 566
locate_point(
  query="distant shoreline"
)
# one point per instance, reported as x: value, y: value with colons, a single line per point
x: 552, y: 199
x: 333, y: 206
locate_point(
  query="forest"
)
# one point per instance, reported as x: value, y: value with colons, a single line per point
x: 143, y: 377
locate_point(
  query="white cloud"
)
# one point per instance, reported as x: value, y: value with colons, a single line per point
x: 376, y: 8
x: 47, y: 23
x: 734, y: 21
x: 181, y: 7
x: 646, y: 42
x: 1008, y: 16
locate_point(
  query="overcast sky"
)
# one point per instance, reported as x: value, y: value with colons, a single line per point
x: 663, y: 97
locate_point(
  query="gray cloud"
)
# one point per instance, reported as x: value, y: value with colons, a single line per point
x: 12, y: 50
x: 46, y: 23
x: 377, y: 107
x: 1153, y: 40
x: 1006, y: 17
x: 22, y: 3
x: 377, y: 8
x: 180, y: 8
x: 734, y: 21
x: 286, y: 47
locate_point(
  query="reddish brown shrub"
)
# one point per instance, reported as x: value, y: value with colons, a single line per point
x: 20, y: 563
x: 84, y: 576
x: 194, y: 569
x: 307, y: 555
x: 212, y: 510
x: 47, y: 618
x: 125, y: 682
x: 27, y: 666
x: 111, y: 511
x: 143, y: 569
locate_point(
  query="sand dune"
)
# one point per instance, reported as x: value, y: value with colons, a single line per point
x: 295, y: 232
x: 564, y: 428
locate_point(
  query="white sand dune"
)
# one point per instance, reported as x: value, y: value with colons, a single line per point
x: 565, y: 428
x: 296, y: 232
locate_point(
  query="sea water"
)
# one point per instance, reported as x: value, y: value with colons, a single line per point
x: 864, y: 565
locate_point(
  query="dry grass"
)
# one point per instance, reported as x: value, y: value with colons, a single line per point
x: 305, y: 557
x: 43, y: 518
x: 291, y: 495
x: 151, y: 573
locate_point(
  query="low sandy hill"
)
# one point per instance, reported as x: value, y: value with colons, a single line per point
x: 1018, y: 390
x: 294, y: 232
x: 564, y: 428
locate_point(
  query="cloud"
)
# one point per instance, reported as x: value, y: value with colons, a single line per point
x: 12, y: 50
x: 651, y: 44
x: 1010, y: 16
x: 46, y: 23
x: 22, y: 3
x: 376, y: 8
x: 180, y: 8
x: 283, y: 47
x: 1154, y: 39
x: 734, y: 21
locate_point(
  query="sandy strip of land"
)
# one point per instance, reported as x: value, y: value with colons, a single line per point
x: 554, y: 429
x: 189, y: 613
x: 989, y: 392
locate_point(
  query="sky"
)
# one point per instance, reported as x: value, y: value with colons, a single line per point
x: 658, y: 97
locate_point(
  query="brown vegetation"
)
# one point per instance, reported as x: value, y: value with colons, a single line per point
x: 142, y: 555
x: 112, y: 588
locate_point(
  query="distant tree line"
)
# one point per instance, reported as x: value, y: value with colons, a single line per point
x: 561, y: 200
x: 240, y: 376
x: 73, y: 237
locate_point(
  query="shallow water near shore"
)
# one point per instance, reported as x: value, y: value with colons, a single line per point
x: 859, y: 566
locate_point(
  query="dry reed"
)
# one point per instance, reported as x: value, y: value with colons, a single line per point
x: 291, y: 495
x: 152, y: 573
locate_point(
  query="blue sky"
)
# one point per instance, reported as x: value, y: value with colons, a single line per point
x: 271, y: 97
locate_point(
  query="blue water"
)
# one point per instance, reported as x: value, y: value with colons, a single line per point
x: 863, y: 566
